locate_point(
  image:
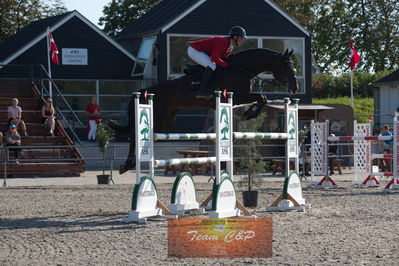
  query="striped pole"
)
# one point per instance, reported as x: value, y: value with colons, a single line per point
x: 184, y: 136
x: 257, y: 135
x: 202, y: 136
x: 382, y: 156
x: 352, y: 138
x: 179, y: 161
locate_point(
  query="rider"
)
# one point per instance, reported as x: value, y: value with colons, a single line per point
x: 208, y: 53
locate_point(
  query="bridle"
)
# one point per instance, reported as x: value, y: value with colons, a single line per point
x: 253, y: 76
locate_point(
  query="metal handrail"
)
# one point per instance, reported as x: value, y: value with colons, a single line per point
x: 60, y: 95
x: 60, y: 99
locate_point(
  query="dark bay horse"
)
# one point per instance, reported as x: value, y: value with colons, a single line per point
x: 178, y: 94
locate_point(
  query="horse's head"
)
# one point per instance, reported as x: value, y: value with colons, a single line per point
x: 284, y: 72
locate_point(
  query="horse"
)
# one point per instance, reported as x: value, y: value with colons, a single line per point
x: 174, y: 95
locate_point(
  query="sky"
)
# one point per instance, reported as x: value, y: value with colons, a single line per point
x: 91, y: 9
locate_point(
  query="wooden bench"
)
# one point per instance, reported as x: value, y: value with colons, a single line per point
x: 191, y: 168
x: 194, y: 169
x: 279, y: 166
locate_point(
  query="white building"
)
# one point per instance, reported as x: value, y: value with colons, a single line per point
x: 386, y: 98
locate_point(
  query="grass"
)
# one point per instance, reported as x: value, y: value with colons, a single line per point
x: 363, y: 106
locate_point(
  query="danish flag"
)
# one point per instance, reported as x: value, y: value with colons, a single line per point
x: 355, y: 57
x: 53, y: 49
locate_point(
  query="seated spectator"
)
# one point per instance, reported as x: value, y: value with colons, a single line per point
x: 15, y: 115
x: 13, y: 139
x: 48, y: 116
x: 386, y: 132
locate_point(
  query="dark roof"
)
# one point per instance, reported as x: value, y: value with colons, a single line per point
x: 393, y: 77
x: 27, y: 34
x: 157, y: 17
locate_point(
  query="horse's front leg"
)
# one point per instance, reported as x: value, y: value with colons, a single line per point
x: 254, y: 110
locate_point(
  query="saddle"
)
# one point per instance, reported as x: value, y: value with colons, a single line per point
x: 193, y: 68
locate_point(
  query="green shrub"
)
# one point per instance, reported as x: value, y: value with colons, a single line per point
x: 362, y: 106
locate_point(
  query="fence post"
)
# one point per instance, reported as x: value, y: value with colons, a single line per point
x: 5, y: 156
x: 112, y: 161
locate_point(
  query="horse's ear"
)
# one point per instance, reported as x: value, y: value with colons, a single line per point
x: 286, y: 52
x: 290, y: 53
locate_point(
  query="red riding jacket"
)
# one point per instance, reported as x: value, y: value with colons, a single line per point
x: 215, y: 48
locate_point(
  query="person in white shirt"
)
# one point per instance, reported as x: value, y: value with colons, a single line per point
x: 15, y: 115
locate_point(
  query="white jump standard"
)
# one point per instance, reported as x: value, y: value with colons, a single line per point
x: 224, y: 201
x: 145, y: 201
x: 319, y: 155
x: 362, y: 151
x: 291, y: 197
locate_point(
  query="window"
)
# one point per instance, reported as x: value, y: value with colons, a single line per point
x: 113, y: 96
x: 178, y: 57
x: 178, y: 54
x: 249, y: 43
x: 145, y: 64
x: 146, y: 48
x: 280, y: 45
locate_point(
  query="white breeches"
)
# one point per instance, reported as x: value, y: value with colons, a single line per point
x: 200, y: 58
x: 93, y: 129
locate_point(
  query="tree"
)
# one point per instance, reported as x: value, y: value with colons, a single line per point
x: 120, y: 13
x: 16, y: 14
x: 373, y: 24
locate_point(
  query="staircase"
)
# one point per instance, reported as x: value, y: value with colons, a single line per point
x: 62, y: 158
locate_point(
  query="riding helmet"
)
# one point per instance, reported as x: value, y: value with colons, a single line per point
x: 239, y: 31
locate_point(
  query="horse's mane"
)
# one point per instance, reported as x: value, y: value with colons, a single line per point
x: 160, y: 85
x: 256, y: 51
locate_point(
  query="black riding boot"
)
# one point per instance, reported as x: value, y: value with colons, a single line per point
x: 206, y: 75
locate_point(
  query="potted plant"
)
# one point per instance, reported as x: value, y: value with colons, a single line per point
x: 104, y: 137
x: 253, y: 168
x: 250, y: 162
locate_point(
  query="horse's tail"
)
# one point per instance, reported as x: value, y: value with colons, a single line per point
x: 119, y: 130
x: 124, y: 130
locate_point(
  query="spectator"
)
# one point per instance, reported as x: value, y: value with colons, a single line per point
x: 13, y: 139
x: 385, y: 132
x: 332, y: 150
x: 387, y: 146
x: 48, y: 115
x: 93, y: 111
x: 15, y: 115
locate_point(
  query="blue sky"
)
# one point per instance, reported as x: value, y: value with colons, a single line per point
x: 91, y: 9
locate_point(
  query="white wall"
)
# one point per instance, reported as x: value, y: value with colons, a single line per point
x: 389, y: 100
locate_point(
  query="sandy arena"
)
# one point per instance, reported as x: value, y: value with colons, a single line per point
x: 74, y: 221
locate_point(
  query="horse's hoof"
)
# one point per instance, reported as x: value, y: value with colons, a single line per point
x: 251, y: 112
x: 123, y: 169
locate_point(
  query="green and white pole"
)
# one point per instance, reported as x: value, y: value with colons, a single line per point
x: 291, y: 128
x: 224, y: 134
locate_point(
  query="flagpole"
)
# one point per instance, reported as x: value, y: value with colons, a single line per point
x: 352, y: 103
x: 48, y: 63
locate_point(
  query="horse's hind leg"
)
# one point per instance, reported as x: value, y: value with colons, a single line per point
x: 130, y: 162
